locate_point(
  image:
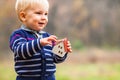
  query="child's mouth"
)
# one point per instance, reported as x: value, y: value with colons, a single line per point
x: 41, y: 23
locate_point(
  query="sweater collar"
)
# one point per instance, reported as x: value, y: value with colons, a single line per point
x: 30, y: 30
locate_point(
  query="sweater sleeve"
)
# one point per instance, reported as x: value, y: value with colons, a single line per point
x: 23, y: 48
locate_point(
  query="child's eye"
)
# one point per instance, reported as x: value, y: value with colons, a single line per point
x: 38, y: 13
x: 46, y: 13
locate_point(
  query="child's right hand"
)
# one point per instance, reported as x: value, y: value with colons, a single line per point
x: 48, y: 40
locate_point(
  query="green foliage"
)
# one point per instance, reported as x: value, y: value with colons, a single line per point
x: 77, y: 45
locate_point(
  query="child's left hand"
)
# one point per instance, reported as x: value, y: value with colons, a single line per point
x: 69, y: 49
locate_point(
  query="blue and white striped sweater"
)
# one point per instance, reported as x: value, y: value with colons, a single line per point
x: 32, y: 59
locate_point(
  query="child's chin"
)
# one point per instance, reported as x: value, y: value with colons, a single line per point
x: 38, y: 29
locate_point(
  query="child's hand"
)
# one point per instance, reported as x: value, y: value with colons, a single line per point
x: 48, y: 40
x: 69, y: 49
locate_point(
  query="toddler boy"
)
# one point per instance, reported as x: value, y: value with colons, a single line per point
x: 33, y: 56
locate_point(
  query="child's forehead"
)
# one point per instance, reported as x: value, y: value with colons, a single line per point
x: 39, y: 5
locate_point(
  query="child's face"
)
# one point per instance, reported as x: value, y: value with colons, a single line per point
x: 36, y: 18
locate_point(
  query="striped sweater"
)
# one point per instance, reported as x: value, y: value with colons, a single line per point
x: 32, y: 59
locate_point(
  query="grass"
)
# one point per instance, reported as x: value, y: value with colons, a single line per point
x: 7, y: 72
x: 72, y: 71
x: 89, y: 72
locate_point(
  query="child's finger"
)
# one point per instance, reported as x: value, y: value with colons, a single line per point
x: 69, y: 46
x: 68, y: 43
x: 52, y: 38
x: 69, y: 49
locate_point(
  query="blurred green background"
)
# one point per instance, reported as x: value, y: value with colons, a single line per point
x: 93, y: 28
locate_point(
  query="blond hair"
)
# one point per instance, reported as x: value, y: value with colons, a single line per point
x: 23, y: 5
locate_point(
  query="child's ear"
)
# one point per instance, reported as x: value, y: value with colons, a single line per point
x: 22, y: 16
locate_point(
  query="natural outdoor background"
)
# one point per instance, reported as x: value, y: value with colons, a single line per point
x: 93, y: 28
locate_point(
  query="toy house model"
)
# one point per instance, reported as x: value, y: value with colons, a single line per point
x: 60, y: 49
